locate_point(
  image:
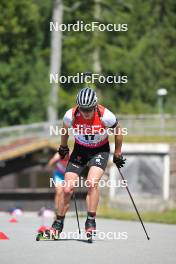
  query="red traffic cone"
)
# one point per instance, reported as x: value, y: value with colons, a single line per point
x: 13, y: 220
x: 42, y: 228
x: 3, y: 236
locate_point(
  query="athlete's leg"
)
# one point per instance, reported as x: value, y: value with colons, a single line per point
x: 59, y: 184
x: 97, y: 166
x: 69, y: 184
x: 93, y: 178
x: 59, y: 197
x: 64, y: 199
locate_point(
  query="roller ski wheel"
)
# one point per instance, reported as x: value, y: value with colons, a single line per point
x: 39, y: 236
x: 89, y: 237
x: 47, y: 235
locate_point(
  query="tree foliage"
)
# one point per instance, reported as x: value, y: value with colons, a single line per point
x: 145, y: 53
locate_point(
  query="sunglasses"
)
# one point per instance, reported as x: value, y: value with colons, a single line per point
x: 87, y: 110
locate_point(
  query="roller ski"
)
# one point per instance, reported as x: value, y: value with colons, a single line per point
x: 52, y: 233
x: 90, y: 229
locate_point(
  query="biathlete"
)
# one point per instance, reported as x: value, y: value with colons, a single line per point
x: 91, y: 149
x: 58, y: 176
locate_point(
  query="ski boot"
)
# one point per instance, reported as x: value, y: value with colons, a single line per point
x: 53, y: 232
x: 90, y: 228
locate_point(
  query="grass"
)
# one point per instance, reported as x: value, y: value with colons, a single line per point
x: 147, y: 139
x: 165, y: 217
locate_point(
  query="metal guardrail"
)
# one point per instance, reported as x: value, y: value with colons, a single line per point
x: 149, y: 125
x: 143, y: 125
x: 39, y: 130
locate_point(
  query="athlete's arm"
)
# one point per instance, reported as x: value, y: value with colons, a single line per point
x: 64, y: 136
x: 67, y: 122
x: 118, y: 140
x: 118, y: 158
x: 110, y: 121
x: 63, y: 150
x: 53, y: 160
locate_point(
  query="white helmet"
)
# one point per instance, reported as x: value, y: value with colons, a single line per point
x: 86, y: 98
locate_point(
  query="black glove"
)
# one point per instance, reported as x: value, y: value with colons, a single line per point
x: 119, y: 161
x: 63, y: 151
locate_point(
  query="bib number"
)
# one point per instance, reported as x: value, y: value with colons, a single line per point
x: 89, y: 137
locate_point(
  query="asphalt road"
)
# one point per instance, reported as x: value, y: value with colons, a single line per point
x: 128, y: 246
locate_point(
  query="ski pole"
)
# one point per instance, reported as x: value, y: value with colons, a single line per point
x: 134, y: 205
x: 76, y: 212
